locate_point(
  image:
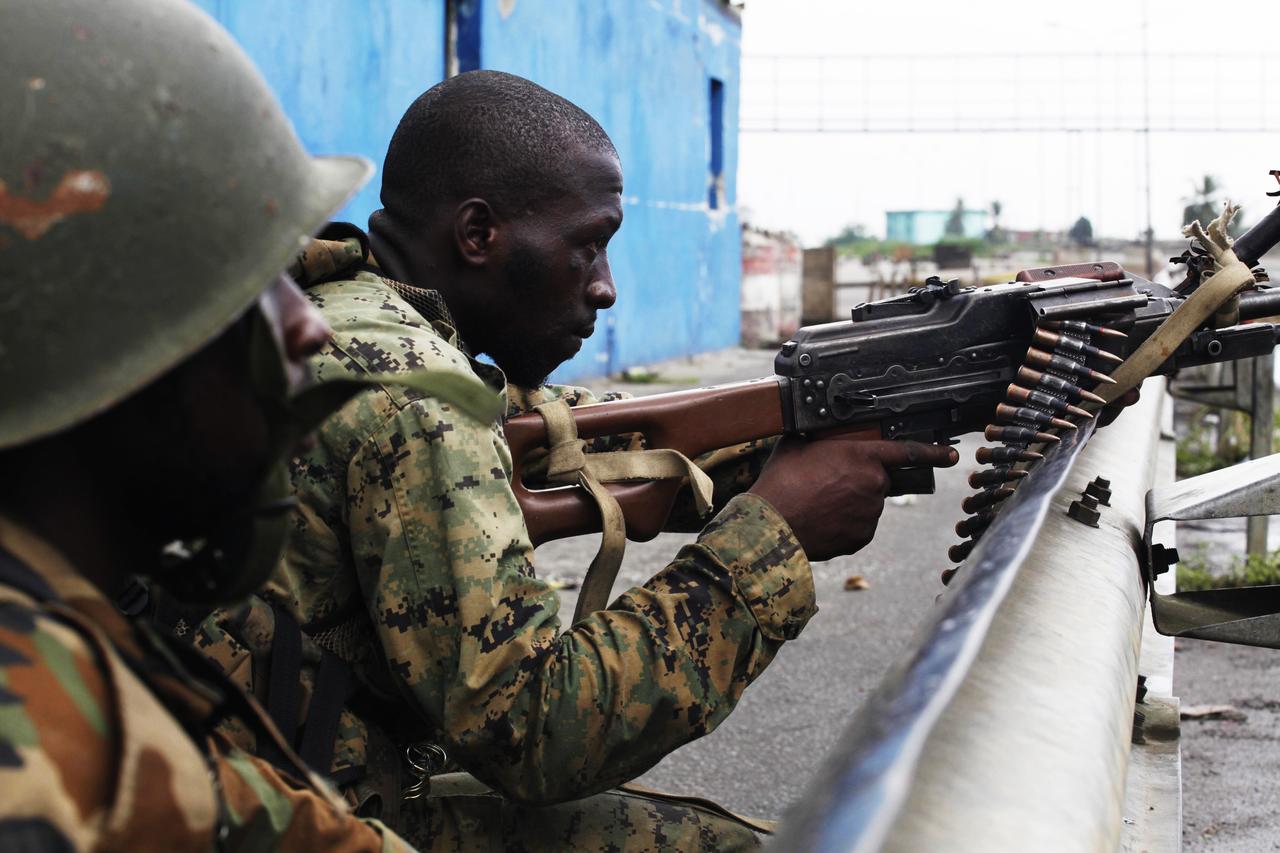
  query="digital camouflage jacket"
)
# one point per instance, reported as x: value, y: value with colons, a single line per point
x: 410, y: 561
x: 106, y: 741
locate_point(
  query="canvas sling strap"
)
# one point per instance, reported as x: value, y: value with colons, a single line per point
x: 570, y: 464
x: 1230, y: 276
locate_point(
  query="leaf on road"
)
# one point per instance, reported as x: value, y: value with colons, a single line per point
x: 1212, y: 712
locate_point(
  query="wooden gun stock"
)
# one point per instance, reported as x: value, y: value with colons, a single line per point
x: 692, y: 422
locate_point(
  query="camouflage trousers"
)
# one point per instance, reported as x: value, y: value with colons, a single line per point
x: 618, y: 821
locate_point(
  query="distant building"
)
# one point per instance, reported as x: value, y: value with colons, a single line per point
x: 771, y: 274
x: 661, y: 77
x: 925, y: 227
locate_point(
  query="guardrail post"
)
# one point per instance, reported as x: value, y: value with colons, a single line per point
x: 1261, y: 425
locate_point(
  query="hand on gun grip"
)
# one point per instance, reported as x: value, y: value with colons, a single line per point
x: 831, y: 490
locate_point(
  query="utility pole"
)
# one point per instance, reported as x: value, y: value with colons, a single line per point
x: 1146, y: 136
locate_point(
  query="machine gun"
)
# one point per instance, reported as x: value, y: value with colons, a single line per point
x: 1019, y: 361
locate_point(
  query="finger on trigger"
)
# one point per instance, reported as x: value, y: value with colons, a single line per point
x: 896, y: 454
x: 919, y: 453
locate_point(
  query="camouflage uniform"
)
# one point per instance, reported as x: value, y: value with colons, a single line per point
x: 410, y: 561
x: 104, y: 735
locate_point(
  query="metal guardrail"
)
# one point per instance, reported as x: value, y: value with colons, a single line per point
x: 1009, y: 726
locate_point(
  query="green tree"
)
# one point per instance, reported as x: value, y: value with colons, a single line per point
x: 996, y: 234
x: 955, y: 222
x: 851, y: 235
x: 1081, y: 232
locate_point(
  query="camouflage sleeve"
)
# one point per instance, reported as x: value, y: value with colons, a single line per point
x: 90, y: 759
x: 474, y: 639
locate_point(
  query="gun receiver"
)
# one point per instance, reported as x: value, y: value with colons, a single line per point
x: 931, y: 365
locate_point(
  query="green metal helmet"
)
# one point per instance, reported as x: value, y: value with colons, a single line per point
x: 150, y: 189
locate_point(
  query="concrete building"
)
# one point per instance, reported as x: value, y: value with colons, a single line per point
x: 771, y: 276
x: 661, y: 76
x: 924, y: 227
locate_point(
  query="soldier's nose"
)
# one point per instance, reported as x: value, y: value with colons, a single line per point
x: 601, y: 292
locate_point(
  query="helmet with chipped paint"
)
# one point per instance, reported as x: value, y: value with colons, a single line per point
x: 150, y: 189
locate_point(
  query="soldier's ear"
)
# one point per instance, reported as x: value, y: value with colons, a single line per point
x: 475, y: 229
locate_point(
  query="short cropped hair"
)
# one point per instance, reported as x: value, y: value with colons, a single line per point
x: 484, y: 134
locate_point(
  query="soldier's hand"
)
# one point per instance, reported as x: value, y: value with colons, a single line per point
x: 831, y: 490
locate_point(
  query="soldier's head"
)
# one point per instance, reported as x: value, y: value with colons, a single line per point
x: 504, y: 196
x: 149, y: 338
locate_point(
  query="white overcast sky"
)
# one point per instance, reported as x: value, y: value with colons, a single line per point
x: 984, y: 63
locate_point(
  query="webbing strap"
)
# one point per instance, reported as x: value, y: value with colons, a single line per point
x: 284, y: 689
x: 1229, y: 278
x: 332, y: 686
x: 570, y: 464
x: 329, y: 692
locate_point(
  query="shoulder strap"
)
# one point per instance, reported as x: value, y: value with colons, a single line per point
x: 315, y: 737
x: 330, y: 690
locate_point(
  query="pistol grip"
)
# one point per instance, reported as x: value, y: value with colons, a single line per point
x: 911, y: 481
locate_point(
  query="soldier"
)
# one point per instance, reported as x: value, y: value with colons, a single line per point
x: 410, y: 562
x: 151, y: 192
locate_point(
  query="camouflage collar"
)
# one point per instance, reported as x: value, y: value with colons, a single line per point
x: 342, y: 249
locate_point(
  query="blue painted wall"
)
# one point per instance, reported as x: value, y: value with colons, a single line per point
x: 346, y: 70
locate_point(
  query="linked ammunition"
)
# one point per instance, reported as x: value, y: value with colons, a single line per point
x: 1034, y: 378
x: 1007, y: 413
x: 994, y: 432
x: 1006, y: 455
x: 1080, y: 327
x: 984, y: 499
x: 974, y: 524
x: 1062, y: 364
x: 1072, y: 343
x: 956, y: 554
x: 1047, y: 401
x: 995, y: 476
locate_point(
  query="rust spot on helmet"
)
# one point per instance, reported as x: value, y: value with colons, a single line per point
x: 79, y: 191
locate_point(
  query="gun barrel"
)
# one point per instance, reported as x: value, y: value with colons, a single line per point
x: 1256, y: 304
x: 1259, y: 239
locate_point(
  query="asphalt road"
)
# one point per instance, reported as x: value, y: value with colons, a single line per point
x: 759, y: 760
x: 1230, y: 763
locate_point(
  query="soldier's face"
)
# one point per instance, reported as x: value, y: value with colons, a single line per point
x: 556, y: 273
